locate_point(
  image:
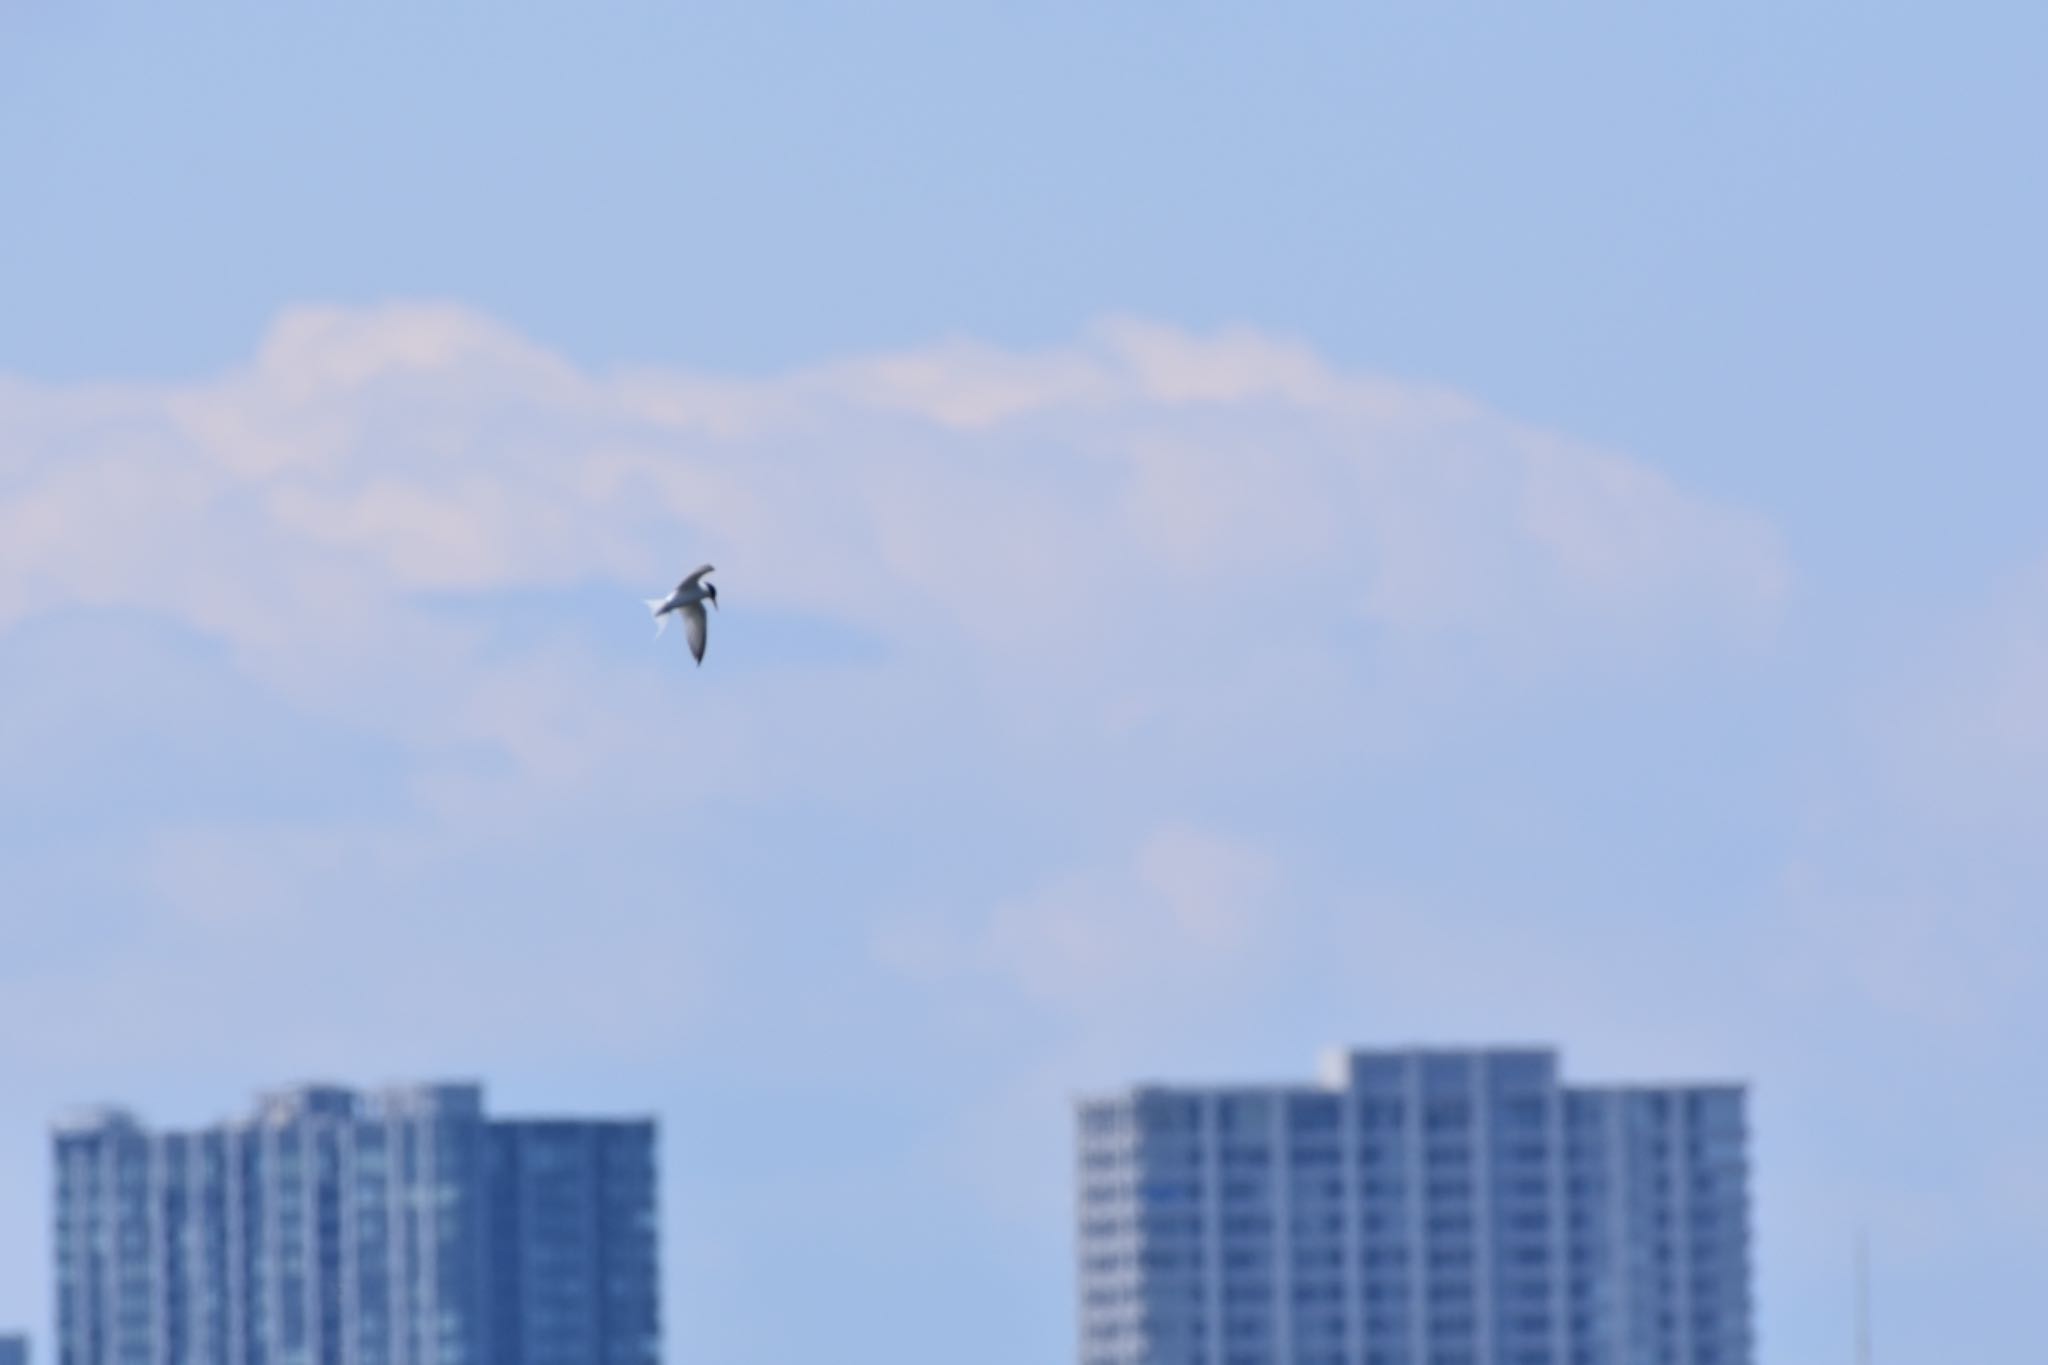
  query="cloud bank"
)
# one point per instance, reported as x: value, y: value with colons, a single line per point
x: 366, y: 455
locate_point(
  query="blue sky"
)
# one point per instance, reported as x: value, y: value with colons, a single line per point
x: 1241, y: 530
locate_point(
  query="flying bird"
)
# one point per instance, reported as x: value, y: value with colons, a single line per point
x: 689, y: 598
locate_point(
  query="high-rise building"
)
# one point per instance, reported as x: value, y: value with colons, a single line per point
x: 336, y: 1228
x: 1416, y: 1208
x: 13, y: 1350
x: 572, y: 1221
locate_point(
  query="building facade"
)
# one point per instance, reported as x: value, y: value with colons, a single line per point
x: 13, y: 1350
x: 337, y: 1228
x: 1416, y: 1208
x: 573, y: 1231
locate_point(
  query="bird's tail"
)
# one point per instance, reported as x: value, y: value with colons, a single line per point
x: 660, y: 621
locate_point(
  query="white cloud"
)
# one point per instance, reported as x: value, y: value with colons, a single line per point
x: 1149, y: 539
x: 1145, y: 537
x: 416, y: 447
x: 1186, y: 911
x: 1145, y: 531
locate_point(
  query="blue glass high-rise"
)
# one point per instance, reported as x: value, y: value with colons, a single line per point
x: 332, y: 1228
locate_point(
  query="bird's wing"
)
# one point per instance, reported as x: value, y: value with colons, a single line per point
x: 691, y: 581
x: 693, y: 616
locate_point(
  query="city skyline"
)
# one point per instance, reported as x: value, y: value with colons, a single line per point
x: 1117, y: 1140
x: 1236, y: 529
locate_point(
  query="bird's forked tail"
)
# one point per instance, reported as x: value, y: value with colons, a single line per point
x: 654, y: 604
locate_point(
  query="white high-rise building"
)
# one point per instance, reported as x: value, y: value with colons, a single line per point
x: 1416, y: 1208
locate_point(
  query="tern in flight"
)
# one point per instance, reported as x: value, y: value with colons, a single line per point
x: 689, y: 598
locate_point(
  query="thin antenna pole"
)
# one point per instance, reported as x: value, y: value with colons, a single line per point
x: 1862, y: 1298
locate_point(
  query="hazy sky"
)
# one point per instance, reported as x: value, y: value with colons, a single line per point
x: 1241, y: 528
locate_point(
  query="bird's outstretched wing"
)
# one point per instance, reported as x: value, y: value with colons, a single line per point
x: 693, y: 617
x: 691, y: 581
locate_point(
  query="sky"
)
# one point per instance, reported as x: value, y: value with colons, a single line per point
x: 1240, y: 530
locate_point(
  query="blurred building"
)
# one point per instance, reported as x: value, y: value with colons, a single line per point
x: 13, y: 1350
x: 331, y: 1227
x: 1416, y: 1208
